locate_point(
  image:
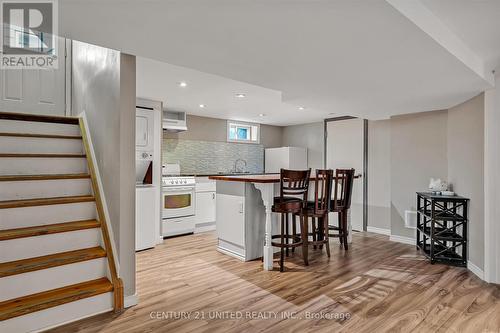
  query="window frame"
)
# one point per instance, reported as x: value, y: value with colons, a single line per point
x: 243, y: 124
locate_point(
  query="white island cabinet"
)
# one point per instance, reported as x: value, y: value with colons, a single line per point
x: 240, y: 213
x: 245, y: 221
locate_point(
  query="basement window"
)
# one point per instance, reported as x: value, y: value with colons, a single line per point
x: 243, y: 132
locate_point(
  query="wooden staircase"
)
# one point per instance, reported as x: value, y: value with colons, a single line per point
x: 56, y: 259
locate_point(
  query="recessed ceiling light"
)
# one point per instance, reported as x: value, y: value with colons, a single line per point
x: 182, y: 84
x: 241, y: 95
x: 301, y: 108
x: 262, y: 114
x: 202, y: 106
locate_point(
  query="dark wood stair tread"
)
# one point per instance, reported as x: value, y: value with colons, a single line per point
x: 44, y: 136
x: 12, y: 178
x: 43, y: 155
x: 45, y: 201
x: 51, y: 298
x: 39, y: 118
x: 48, y: 229
x: 51, y: 260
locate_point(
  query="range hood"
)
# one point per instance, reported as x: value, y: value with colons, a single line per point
x: 174, y: 121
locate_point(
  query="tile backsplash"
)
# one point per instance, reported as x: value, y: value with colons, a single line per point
x: 207, y: 157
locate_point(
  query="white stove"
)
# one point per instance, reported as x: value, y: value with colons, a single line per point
x: 169, y: 181
x: 178, y: 204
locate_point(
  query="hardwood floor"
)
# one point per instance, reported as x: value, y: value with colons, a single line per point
x: 381, y: 285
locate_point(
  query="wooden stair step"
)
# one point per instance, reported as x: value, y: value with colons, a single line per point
x: 47, y: 299
x: 39, y: 118
x: 43, y: 155
x: 44, y: 136
x: 48, y: 229
x: 45, y: 201
x: 51, y: 260
x: 13, y: 178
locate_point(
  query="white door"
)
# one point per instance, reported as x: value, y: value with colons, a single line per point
x: 345, y: 144
x: 205, y: 207
x: 38, y: 91
x: 231, y: 219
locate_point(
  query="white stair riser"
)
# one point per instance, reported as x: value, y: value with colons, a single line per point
x: 32, y: 216
x: 24, y: 145
x: 56, y: 316
x: 41, y: 166
x: 47, y: 279
x: 44, y: 189
x: 33, y: 127
x: 29, y: 247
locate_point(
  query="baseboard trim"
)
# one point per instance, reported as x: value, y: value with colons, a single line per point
x: 402, y: 239
x: 230, y: 253
x: 381, y: 231
x: 204, y: 228
x: 40, y: 330
x: 130, y: 301
x: 476, y: 270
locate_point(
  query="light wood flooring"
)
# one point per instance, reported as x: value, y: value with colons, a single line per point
x: 383, y: 286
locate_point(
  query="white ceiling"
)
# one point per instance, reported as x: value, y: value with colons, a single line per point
x: 476, y: 22
x: 356, y: 57
x: 160, y: 81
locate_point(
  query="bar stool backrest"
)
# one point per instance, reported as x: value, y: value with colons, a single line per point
x: 322, y: 191
x: 344, y: 179
x: 294, y: 183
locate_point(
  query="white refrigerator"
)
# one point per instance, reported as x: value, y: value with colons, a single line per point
x: 293, y: 158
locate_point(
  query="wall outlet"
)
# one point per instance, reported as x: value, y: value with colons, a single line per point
x: 410, y: 219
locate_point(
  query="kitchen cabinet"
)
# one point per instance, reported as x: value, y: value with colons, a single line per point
x: 240, y: 213
x: 231, y: 227
x: 205, y: 207
x: 206, y: 204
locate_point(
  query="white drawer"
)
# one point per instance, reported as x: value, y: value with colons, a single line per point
x: 177, y: 226
x: 209, y: 186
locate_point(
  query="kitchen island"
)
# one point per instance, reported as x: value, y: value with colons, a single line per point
x: 245, y: 221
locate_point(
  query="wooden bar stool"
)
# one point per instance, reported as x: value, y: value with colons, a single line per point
x: 294, y: 185
x: 318, y: 211
x: 341, y: 203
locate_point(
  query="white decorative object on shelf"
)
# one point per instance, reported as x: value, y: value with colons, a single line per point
x: 438, y: 185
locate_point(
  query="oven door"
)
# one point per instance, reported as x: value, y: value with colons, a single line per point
x: 178, y: 202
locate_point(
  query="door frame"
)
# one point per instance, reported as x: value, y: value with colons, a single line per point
x: 364, y: 174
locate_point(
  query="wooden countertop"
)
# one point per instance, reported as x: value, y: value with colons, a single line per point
x: 269, y: 178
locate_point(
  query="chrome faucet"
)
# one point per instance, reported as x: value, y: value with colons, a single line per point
x: 236, y: 168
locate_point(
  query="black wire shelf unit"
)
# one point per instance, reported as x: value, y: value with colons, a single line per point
x: 442, y: 223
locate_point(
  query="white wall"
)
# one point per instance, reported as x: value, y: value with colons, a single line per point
x: 492, y: 183
x: 308, y: 136
x: 466, y: 167
x: 103, y: 86
x: 418, y: 152
x: 446, y: 144
x: 215, y: 129
x: 379, y: 174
